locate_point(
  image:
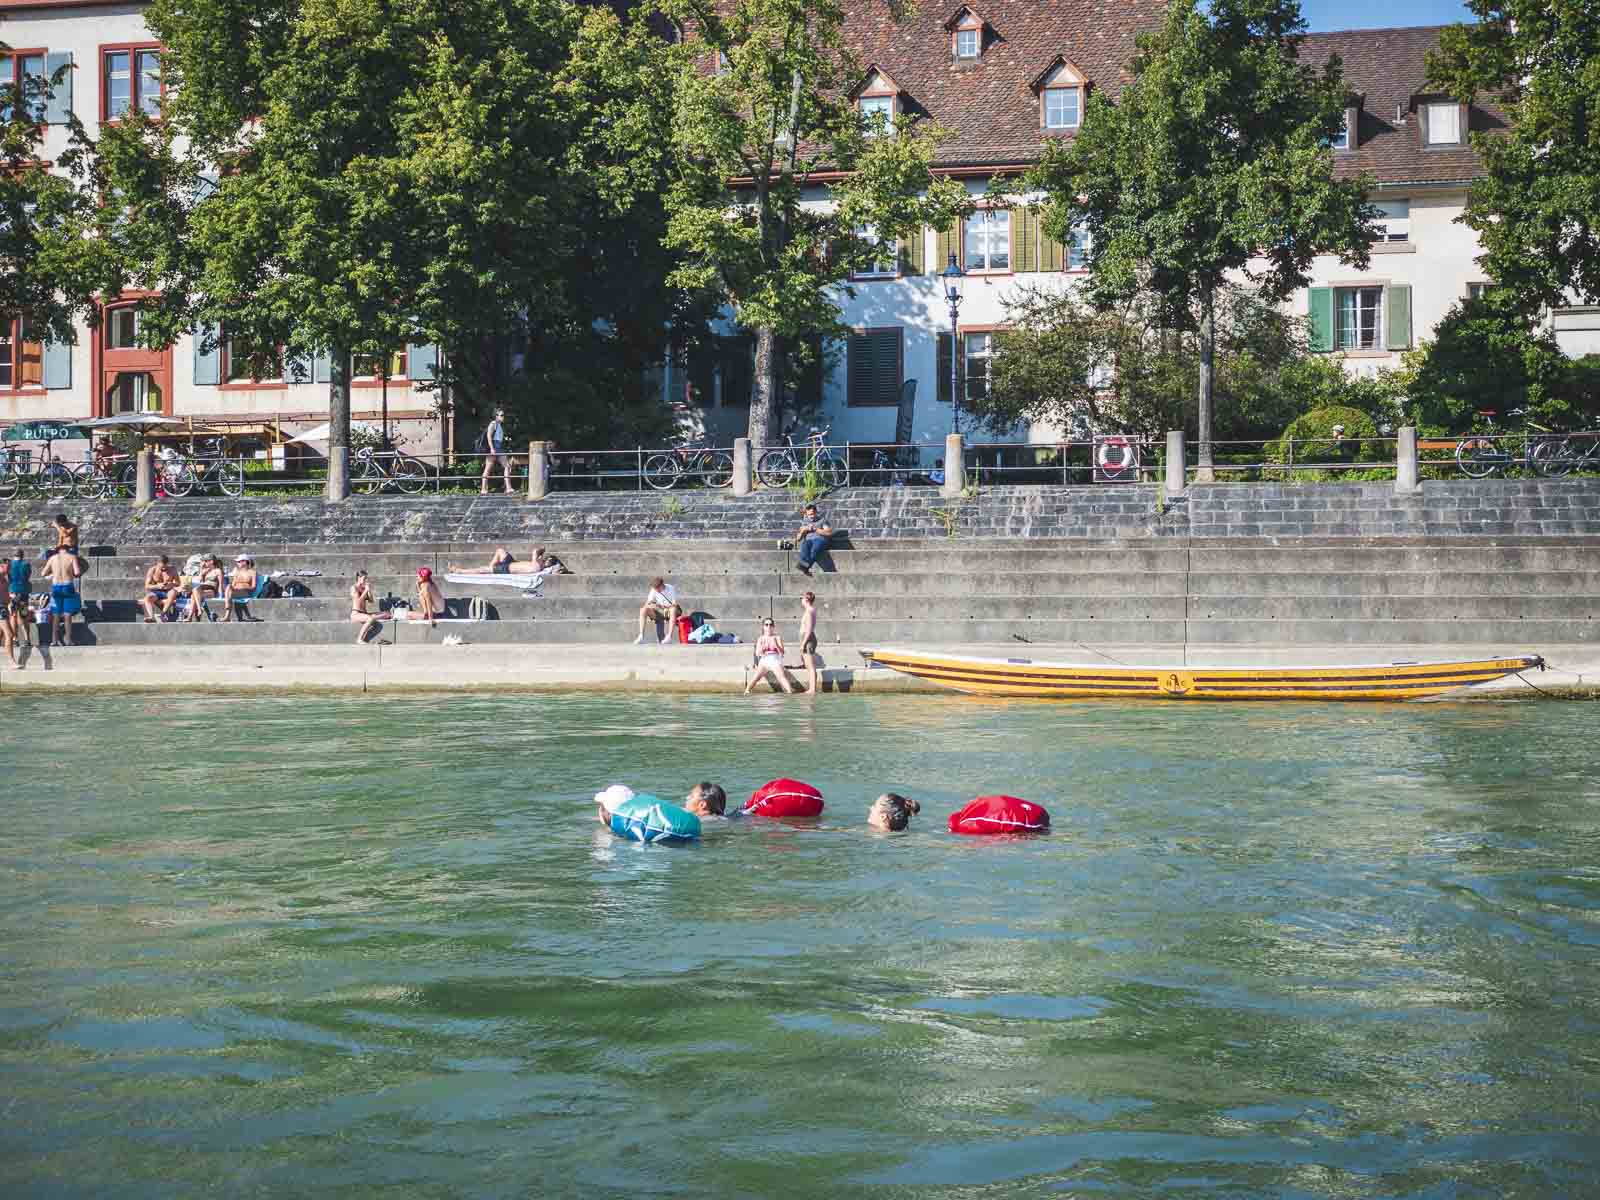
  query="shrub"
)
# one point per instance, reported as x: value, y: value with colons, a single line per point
x: 1310, y: 438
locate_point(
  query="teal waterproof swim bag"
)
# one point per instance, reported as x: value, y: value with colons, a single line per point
x: 645, y: 818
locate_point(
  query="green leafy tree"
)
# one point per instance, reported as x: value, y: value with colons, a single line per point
x: 762, y: 103
x: 1063, y: 361
x: 52, y: 270
x: 1537, y: 211
x: 1492, y: 354
x: 1212, y: 164
x: 355, y: 175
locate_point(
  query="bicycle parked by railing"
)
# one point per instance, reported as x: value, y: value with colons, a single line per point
x: 181, y: 474
x: 782, y: 465
x: 371, y: 471
x: 1559, y: 454
x: 18, y: 474
x: 713, y: 467
x: 1489, y: 452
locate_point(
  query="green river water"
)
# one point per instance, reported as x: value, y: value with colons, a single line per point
x: 351, y: 947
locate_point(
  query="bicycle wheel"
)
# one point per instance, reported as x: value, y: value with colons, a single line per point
x: 368, y: 478
x: 410, y: 476
x: 57, y: 481
x: 1552, y: 456
x: 833, y: 472
x: 230, y: 478
x: 180, y: 480
x: 10, y: 484
x: 716, y: 469
x: 101, y: 484
x: 127, y: 480
x: 1479, y: 457
x: 776, y: 469
x: 661, y: 471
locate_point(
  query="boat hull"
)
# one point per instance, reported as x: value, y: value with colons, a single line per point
x: 1066, y: 681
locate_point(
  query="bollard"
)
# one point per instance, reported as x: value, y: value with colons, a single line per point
x: 955, y: 466
x: 1177, y: 470
x: 338, y: 472
x: 1406, y: 482
x: 742, y: 483
x: 538, y: 470
x: 144, y: 477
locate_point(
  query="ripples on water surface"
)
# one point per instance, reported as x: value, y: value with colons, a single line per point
x: 350, y: 946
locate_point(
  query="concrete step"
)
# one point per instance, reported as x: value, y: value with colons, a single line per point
x: 1432, y: 607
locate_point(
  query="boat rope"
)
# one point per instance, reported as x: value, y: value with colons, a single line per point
x: 1102, y: 654
x: 1539, y: 689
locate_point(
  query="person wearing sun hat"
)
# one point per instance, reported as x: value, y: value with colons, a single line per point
x: 240, y: 586
x: 645, y: 818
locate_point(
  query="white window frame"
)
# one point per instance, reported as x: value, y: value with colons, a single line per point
x: 1051, y: 93
x: 1342, y: 140
x: 871, y: 106
x: 879, y: 268
x: 962, y: 42
x: 1347, y: 335
x: 993, y: 229
x: 17, y: 73
x: 1394, y: 220
x: 1075, y: 254
x: 1436, y: 110
x: 113, y: 316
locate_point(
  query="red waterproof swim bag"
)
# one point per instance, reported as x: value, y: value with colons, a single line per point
x: 989, y: 815
x: 784, y: 798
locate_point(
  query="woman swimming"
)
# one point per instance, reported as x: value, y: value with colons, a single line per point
x: 892, y: 812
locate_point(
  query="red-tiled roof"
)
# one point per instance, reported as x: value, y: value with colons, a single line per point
x: 988, y: 105
x: 1388, y: 68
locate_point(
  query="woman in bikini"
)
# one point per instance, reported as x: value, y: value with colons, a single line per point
x: 769, y: 659
x: 362, y: 608
x: 206, y: 584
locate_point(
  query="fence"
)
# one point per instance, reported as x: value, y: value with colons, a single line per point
x: 27, y: 472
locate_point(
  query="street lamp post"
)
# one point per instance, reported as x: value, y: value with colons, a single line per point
x: 952, y: 276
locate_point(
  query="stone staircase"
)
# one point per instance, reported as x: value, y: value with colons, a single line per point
x: 1506, y: 592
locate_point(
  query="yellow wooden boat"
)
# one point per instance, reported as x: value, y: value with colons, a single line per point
x: 1059, y: 680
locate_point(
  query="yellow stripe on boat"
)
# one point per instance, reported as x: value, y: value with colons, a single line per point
x: 1053, y: 680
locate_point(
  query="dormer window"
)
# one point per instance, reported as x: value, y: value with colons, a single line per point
x: 967, y: 39
x: 878, y: 102
x: 1341, y: 140
x: 1060, y: 91
x: 1441, y: 124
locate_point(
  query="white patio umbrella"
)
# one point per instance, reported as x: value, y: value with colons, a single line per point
x: 320, y: 433
x: 134, y: 420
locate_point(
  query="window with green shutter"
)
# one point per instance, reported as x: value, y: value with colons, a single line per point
x: 949, y: 240
x: 1397, y: 310
x: 913, y: 252
x: 874, y: 366
x: 1321, y: 322
x: 943, y: 390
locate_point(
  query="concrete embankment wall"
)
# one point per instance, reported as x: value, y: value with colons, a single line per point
x: 1464, y: 508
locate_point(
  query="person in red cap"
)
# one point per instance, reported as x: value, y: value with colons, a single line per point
x: 429, y: 598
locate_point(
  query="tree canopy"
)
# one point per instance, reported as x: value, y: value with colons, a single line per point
x: 763, y: 104
x: 1212, y: 164
x: 1537, y: 211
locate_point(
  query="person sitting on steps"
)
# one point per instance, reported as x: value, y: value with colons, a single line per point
x: 662, y: 602
x: 160, y: 589
x: 812, y: 538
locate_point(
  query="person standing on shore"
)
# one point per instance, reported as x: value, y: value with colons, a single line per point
x: 62, y: 571
x: 19, y: 583
x: 808, y: 638
x: 494, y: 445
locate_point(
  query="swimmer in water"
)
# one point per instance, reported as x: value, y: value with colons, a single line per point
x: 892, y: 812
x: 706, y: 800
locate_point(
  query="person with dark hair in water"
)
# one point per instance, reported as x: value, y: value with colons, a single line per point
x: 706, y: 800
x: 892, y: 812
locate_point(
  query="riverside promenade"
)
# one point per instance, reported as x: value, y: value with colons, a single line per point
x: 1247, y: 573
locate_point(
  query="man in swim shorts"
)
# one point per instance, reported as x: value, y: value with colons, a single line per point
x: 808, y: 638
x: 62, y: 571
x: 160, y: 590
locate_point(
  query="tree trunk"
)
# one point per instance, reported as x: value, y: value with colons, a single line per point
x: 766, y: 400
x: 1208, y: 352
x: 339, y: 399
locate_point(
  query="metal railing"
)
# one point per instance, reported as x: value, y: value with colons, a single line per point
x: 27, y: 472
